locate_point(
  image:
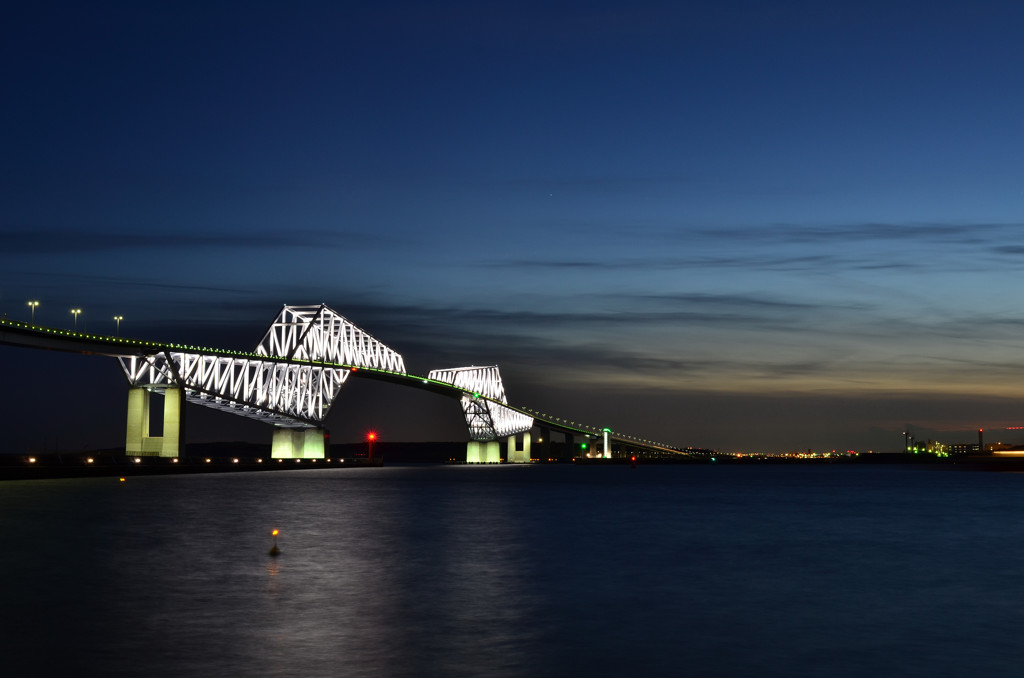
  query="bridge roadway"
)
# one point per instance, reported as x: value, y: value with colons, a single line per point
x: 27, y: 335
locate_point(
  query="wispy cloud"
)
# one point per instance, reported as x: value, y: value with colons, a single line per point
x: 789, y: 248
x: 131, y: 281
x: 859, y: 233
x: 67, y: 240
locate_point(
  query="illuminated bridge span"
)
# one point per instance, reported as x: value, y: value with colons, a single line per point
x: 291, y: 379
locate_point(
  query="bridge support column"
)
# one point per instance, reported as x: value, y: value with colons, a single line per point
x: 483, y: 452
x: 138, y: 442
x: 298, y: 443
x: 519, y: 454
x: 138, y: 420
x: 544, y: 442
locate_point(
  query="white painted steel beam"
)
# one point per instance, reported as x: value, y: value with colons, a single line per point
x: 295, y: 394
x: 484, y: 402
x: 319, y: 334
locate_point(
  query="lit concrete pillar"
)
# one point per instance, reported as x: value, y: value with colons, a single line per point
x: 287, y: 443
x: 480, y: 452
x: 138, y: 420
x: 515, y: 454
x: 313, y: 443
x: 607, y: 450
x: 174, y: 422
x: 138, y: 441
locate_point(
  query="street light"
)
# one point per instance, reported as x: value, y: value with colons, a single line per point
x: 32, y: 305
x: 75, y: 312
x: 118, y: 319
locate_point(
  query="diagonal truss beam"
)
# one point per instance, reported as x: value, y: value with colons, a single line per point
x: 294, y: 385
x: 484, y: 403
x: 285, y: 394
x: 319, y: 334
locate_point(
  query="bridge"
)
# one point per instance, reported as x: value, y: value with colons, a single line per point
x: 290, y: 381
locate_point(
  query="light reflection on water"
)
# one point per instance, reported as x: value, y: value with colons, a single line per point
x: 506, y: 571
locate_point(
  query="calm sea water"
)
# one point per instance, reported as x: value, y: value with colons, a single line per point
x: 517, y: 571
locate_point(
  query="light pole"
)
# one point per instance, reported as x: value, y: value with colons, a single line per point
x: 75, y: 312
x: 370, y: 437
x: 118, y: 319
x: 32, y: 305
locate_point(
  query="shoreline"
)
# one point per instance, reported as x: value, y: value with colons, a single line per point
x: 53, y: 466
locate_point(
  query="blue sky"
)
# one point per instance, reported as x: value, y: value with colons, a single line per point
x: 738, y: 225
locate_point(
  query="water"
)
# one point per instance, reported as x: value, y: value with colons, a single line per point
x: 517, y: 571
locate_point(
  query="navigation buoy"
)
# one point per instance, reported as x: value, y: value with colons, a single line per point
x: 274, y: 551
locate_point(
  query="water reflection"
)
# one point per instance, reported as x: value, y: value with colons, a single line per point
x: 457, y: 571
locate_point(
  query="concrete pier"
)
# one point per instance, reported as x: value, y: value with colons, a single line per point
x: 519, y: 449
x: 483, y: 452
x: 544, y: 442
x: 298, y: 443
x: 138, y: 441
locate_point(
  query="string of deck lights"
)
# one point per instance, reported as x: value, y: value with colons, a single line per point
x: 209, y: 374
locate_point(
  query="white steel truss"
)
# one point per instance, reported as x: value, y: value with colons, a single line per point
x: 484, y: 402
x: 319, y: 334
x: 295, y: 392
x: 285, y: 394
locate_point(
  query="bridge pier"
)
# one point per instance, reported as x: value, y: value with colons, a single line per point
x: 519, y: 454
x: 544, y: 441
x: 483, y: 452
x: 298, y: 443
x: 138, y: 442
x: 574, y: 449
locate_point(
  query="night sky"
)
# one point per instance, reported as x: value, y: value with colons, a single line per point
x: 737, y: 225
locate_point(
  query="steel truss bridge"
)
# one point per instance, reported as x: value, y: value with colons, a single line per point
x: 291, y: 379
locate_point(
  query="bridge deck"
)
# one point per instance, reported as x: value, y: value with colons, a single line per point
x: 15, y: 333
